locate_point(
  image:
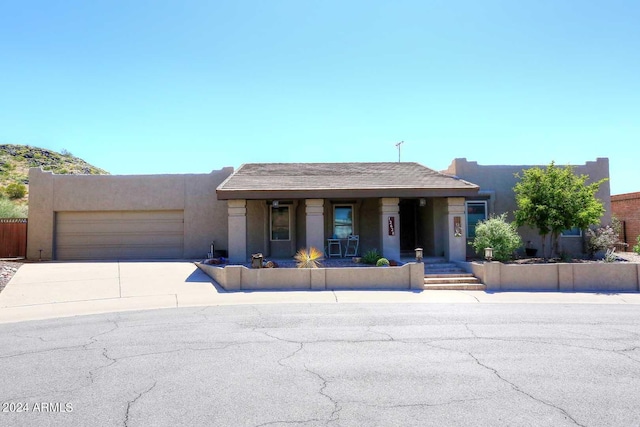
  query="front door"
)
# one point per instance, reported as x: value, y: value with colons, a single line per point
x: 408, y: 225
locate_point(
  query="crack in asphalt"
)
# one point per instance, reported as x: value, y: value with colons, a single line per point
x: 290, y: 422
x: 335, y: 415
x: 370, y: 330
x: 519, y: 390
x: 299, y: 349
x: 132, y: 402
x: 466, y: 325
x: 429, y: 405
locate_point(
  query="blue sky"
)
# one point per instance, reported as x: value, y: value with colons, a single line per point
x: 140, y: 87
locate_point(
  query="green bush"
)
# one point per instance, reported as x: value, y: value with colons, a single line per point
x: 382, y: 262
x: 636, y: 248
x: 8, y: 209
x: 498, y: 234
x: 15, y: 190
x: 601, y: 239
x: 371, y: 257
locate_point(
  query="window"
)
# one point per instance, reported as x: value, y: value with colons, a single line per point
x: 476, y: 211
x: 573, y: 232
x: 342, y: 221
x: 280, y: 222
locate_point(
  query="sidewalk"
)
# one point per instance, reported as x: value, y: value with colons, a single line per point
x: 50, y: 290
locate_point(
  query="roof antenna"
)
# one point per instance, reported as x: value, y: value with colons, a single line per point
x: 398, y: 145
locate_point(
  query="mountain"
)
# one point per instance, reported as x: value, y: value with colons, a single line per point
x: 15, y: 161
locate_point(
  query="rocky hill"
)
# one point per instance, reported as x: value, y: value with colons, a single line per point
x: 15, y: 161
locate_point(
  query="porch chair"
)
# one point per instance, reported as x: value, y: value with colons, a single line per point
x: 351, y: 248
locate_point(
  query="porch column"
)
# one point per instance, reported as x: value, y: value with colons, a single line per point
x: 456, y: 229
x: 390, y: 228
x: 315, y: 223
x: 237, y: 217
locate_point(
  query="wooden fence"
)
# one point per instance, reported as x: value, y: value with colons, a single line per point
x: 13, y: 237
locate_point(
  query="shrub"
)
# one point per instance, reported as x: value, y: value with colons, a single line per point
x: 15, y: 190
x: 636, y: 248
x: 371, y: 257
x: 9, y: 209
x: 382, y: 262
x: 601, y: 239
x: 308, y: 258
x: 495, y: 232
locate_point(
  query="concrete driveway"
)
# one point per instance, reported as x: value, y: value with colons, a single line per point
x: 59, y: 289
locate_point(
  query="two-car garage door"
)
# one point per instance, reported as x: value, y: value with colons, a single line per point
x: 119, y: 235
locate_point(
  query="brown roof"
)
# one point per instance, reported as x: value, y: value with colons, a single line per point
x: 324, y: 180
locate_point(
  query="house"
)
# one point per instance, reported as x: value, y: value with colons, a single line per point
x: 497, y: 196
x: 626, y: 207
x: 272, y: 208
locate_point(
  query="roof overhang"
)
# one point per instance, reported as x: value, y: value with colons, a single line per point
x: 264, y: 181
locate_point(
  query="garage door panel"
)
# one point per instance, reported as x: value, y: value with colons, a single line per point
x: 120, y: 235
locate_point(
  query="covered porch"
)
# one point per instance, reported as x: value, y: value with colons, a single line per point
x: 277, y: 209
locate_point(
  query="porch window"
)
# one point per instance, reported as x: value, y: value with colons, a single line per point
x: 572, y: 232
x: 476, y: 211
x: 280, y: 223
x: 342, y: 221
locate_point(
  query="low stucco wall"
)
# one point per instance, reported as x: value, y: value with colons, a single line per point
x: 236, y: 277
x: 496, y: 276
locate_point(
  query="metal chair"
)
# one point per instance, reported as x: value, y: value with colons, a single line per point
x: 334, y: 248
x: 351, y: 248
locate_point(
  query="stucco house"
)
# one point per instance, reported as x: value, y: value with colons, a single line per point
x: 274, y: 209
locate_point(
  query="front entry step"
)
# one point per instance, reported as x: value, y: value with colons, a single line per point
x: 454, y: 282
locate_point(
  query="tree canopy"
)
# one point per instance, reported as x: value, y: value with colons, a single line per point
x: 555, y: 199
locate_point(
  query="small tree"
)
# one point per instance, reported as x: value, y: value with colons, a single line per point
x: 555, y: 199
x: 498, y: 234
x: 636, y: 248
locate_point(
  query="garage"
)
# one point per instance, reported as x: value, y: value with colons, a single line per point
x: 110, y: 235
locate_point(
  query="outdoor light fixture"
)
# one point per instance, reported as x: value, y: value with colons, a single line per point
x: 488, y: 254
x: 419, y: 254
x: 423, y: 203
x: 275, y: 203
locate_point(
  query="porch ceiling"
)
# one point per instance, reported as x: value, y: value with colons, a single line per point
x: 339, y: 180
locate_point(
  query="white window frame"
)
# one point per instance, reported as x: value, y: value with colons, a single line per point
x: 271, y: 208
x: 466, y: 213
x: 353, y: 217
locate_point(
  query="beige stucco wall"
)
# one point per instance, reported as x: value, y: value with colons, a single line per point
x: 205, y: 216
x: 237, y: 277
x: 557, y: 276
x: 498, y: 181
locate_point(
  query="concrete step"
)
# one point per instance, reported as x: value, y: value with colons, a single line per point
x: 455, y: 287
x: 456, y: 282
x: 449, y: 275
x: 451, y: 280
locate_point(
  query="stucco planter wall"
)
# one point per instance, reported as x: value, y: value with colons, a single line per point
x: 496, y: 276
x: 236, y: 277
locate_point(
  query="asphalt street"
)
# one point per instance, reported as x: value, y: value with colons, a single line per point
x: 327, y: 365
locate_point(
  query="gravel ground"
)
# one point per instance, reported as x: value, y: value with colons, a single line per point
x: 629, y: 256
x: 7, y: 270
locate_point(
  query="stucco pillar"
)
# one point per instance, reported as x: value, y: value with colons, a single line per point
x: 315, y: 223
x: 456, y: 229
x: 41, y: 224
x: 237, y: 211
x: 390, y: 228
